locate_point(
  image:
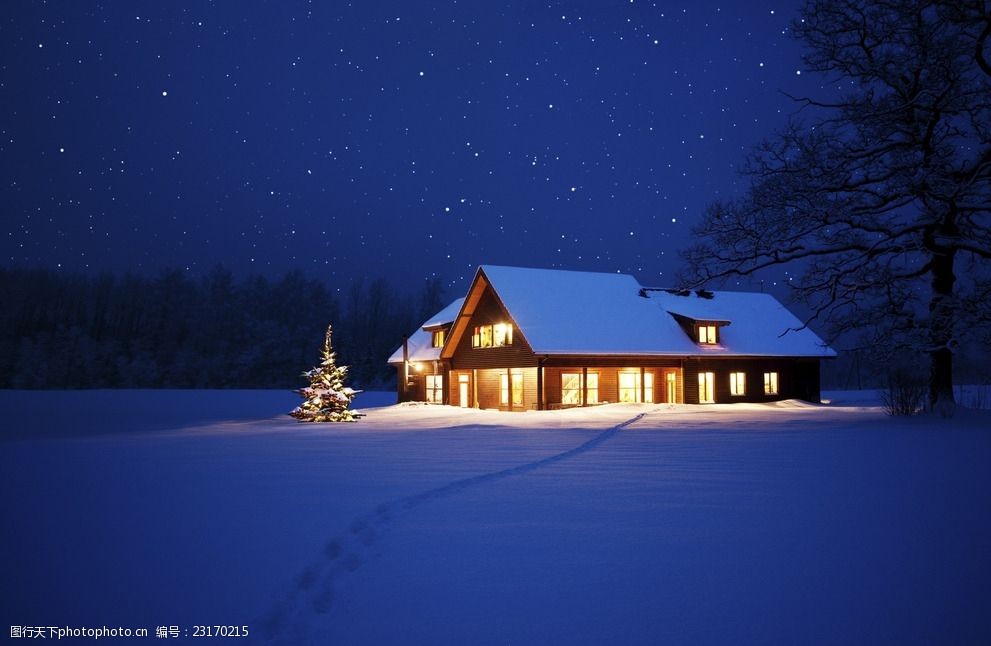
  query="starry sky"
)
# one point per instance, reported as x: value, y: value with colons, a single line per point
x: 395, y: 139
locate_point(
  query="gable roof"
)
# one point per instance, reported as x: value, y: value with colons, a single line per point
x: 560, y: 312
x: 420, y: 343
x: 576, y: 312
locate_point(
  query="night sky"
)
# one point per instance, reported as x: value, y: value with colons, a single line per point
x: 395, y: 139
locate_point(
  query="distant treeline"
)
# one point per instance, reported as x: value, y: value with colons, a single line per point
x: 62, y: 330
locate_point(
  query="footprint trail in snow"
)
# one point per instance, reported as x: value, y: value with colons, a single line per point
x: 314, y: 587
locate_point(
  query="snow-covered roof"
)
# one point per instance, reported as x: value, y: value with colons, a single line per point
x: 758, y: 323
x: 575, y: 312
x: 445, y: 316
x: 420, y: 343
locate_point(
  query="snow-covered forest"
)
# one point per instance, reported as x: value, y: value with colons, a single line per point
x: 61, y: 330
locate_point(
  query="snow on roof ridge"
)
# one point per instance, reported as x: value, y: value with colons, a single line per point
x: 551, y: 306
x: 552, y: 309
x: 552, y: 269
x: 685, y: 293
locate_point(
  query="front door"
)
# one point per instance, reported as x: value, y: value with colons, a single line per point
x: 671, y: 380
x: 463, y: 391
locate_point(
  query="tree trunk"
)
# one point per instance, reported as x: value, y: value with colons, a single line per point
x: 941, y: 325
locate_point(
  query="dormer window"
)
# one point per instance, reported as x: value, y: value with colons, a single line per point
x: 707, y: 334
x: 438, y: 338
x: 492, y: 336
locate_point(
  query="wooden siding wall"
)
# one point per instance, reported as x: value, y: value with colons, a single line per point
x: 454, y: 388
x: 490, y: 383
x: 488, y: 388
x: 415, y: 392
x: 613, y: 362
x: 417, y: 389
x: 797, y: 379
x: 609, y: 381
x: 517, y: 355
x: 530, y: 388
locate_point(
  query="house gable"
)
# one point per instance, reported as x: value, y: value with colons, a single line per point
x: 564, y: 312
x: 483, y: 307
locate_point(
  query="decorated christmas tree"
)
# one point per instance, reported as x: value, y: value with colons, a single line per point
x: 326, y: 399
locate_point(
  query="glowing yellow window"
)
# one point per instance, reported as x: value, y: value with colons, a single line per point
x: 592, y: 388
x: 502, y: 334
x: 770, y: 383
x: 738, y: 383
x: 706, y: 389
x: 629, y: 387
x: 707, y: 334
x: 435, y: 389
x: 571, y: 389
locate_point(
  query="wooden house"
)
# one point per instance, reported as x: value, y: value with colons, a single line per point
x: 536, y: 339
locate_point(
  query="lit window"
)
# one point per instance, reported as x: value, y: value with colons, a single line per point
x: 770, y: 383
x: 571, y: 388
x: 671, y: 383
x: 517, y: 392
x: 492, y: 336
x: 629, y: 387
x: 706, y: 391
x: 707, y: 334
x: 738, y: 383
x: 438, y: 338
x: 593, y: 388
x: 502, y: 334
x: 482, y: 337
x: 435, y: 389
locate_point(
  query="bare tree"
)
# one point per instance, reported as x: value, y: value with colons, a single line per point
x: 883, y: 196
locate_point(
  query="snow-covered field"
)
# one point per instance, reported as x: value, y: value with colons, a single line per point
x: 621, y: 524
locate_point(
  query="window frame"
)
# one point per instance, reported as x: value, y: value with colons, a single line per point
x: 635, y: 388
x: 707, y: 386
x: 484, y: 336
x: 707, y: 333
x: 437, y: 338
x: 772, y: 383
x: 592, y: 391
x: 516, y: 380
x: 434, y: 389
x: 643, y: 382
x: 589, y: 386
x: 738, y: 383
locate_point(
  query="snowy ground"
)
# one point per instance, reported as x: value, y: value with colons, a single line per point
x: 621, y: 524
